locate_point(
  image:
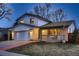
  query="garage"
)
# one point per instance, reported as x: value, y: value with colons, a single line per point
x: 22, y: 32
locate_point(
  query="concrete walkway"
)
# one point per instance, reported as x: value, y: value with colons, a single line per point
x: 6, y: 53
x: 5, y: 45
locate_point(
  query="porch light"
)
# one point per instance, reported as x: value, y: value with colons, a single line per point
x: 43, y: 31
x: 12, y: 35
x: 30, y: 32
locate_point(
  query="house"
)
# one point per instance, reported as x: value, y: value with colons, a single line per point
x: 34, y: 27
x: 5, y: 34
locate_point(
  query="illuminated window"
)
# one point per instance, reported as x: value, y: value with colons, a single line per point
x: 22, y: 21
x: 44, y: 32
x: 54, y: 31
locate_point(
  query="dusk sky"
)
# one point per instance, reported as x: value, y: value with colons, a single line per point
x: 71, y: 11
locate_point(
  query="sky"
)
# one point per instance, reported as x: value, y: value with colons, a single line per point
x: 71, y: 11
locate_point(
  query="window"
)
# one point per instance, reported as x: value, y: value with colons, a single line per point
x: 54, y: 32
x: 44, y: 32
x: 22, y: 21
x: 32, y: 20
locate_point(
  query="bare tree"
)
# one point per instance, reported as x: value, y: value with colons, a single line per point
x: 45, y: 11
x: 42, y: 10
x: 58, y: 15
x: 5, y: 12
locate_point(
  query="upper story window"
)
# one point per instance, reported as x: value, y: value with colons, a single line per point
x: 22, y: 21
x: 32, y: 20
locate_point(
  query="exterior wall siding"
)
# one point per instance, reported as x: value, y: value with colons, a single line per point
x: 37, y: 21
x: 36, y: 34
x: 40, y: 22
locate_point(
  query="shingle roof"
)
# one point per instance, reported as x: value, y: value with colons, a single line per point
x: 25, y: 25
x: 28, y: 14
x: 58, y: 24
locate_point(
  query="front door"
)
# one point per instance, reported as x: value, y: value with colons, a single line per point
x: 44, y: 34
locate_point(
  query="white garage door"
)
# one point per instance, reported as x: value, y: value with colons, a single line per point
x: 22, y: 35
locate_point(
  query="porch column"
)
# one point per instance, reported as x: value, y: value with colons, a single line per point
x: 48, y: 34
x: 40, y: 35
x: 63, y: 34
x: 8, y: 35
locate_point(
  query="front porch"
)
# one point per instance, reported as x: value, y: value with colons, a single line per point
x: 53, y: 34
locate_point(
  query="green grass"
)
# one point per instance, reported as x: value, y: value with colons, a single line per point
x: 48, y: 49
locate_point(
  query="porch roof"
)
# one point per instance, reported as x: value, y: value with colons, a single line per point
x: 58, y: 24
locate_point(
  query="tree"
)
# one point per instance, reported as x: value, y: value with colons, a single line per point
x: 5, y: 12
x: 42, y: 10
x: 58, y: 15
x: 45, y: 10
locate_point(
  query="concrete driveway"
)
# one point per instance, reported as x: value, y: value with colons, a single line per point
x: 5, y: 45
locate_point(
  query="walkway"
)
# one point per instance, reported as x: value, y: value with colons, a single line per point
x: 5, y: 45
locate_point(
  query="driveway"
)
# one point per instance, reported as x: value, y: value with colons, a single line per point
x: 5, y: 45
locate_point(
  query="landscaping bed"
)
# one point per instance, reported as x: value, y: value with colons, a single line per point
x: 47, y: 49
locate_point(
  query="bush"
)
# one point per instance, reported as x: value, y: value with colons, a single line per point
x: 74, y: 35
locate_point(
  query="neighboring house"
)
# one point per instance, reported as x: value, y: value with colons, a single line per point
x: 4, y: 34
x: 34, y: 27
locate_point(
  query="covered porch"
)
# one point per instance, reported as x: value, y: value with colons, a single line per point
x: 53, y: 34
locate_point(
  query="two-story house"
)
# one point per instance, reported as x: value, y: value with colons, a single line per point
x: 34, y: 27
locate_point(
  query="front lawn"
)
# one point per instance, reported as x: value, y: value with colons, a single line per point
x: 48, y: 49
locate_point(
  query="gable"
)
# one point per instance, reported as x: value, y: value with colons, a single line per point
x: 71, y: 28
x: 32, y: 21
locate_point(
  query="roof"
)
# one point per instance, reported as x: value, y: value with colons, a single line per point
x: 58, y: 24
x: 3, y: 29
x: 25, y: 25
x: 33, y: 15
x: 28, y: 14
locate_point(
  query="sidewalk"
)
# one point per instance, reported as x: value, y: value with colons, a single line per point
x: 6, y: 53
